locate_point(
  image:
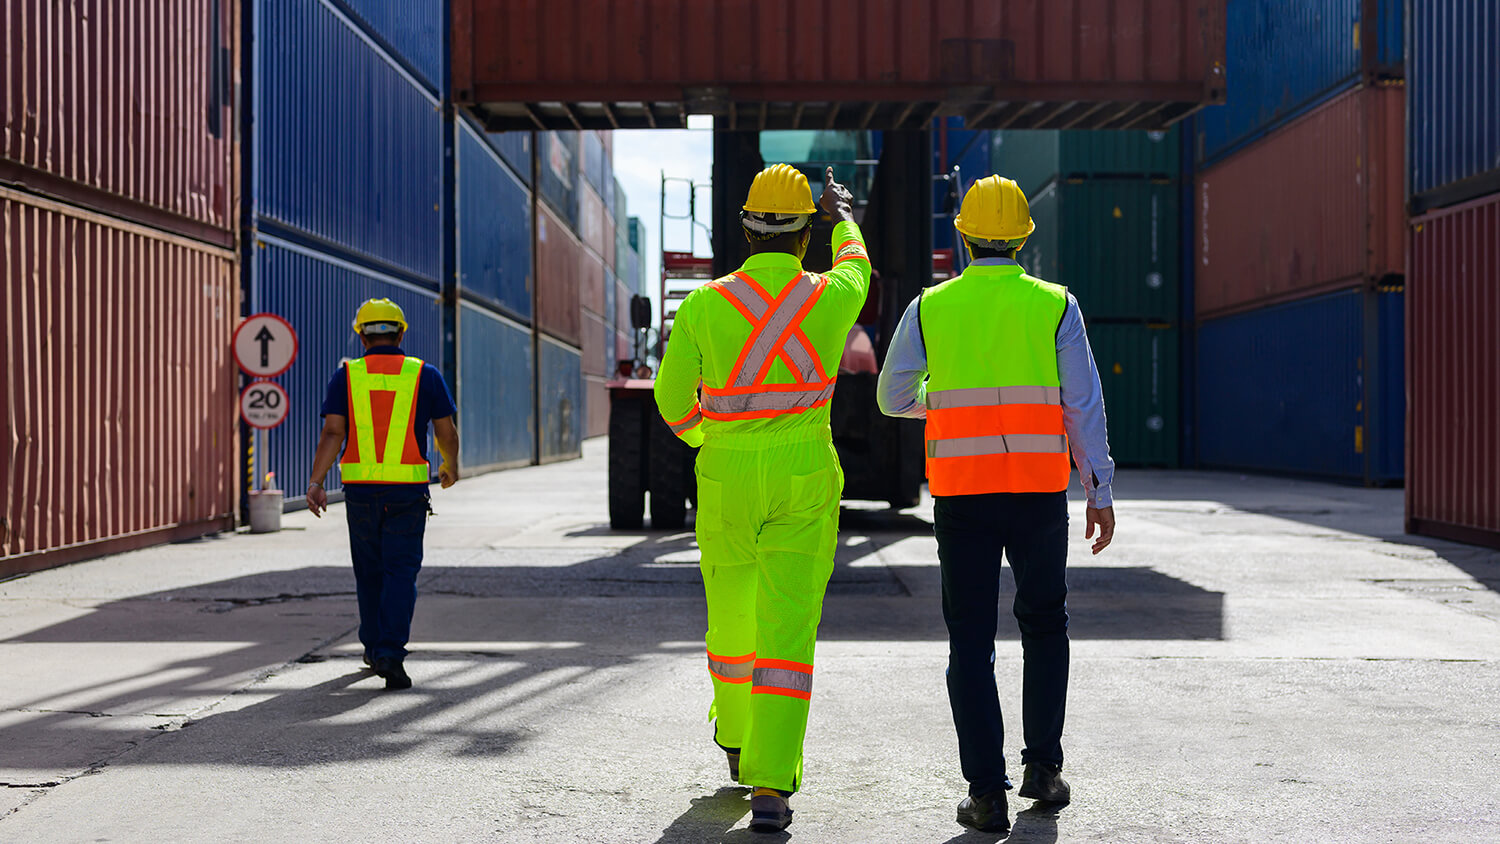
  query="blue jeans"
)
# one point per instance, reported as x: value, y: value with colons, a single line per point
x: 385, y: 541
x: 1032, y: 530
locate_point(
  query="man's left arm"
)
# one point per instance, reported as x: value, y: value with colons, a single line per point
x: 444, y: 415
x: 1084, y: 421
x: 676, y: 388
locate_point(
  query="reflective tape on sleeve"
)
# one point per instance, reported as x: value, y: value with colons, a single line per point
x: 998, y: 444
x: 990, y: 396
x: 687, y: 424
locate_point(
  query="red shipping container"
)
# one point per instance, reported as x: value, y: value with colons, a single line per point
x: 594, y: 353
x: 592, y: 279
x: 1453, y: 374
x: 596, y: 401
x: 126, y: 108
x: 833, y: 64
x: 110, y: 444
x: 1314, y: 207
x: 559, y: 263
x: 591, y: 220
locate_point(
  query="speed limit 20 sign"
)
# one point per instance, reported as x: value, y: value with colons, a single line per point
x: 263, y: 404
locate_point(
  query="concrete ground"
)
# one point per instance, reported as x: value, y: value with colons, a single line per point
x: 1254, y: 659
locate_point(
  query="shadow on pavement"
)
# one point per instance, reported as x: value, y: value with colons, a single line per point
x: 709, y: 818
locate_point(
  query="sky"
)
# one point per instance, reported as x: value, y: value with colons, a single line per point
x: 640, y: 159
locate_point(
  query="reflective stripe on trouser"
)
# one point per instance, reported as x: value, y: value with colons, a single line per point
x: 767, y: 523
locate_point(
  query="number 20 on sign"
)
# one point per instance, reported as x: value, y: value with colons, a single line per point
x: 263, y: 404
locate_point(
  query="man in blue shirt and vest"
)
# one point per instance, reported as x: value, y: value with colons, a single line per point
x: 377, y: 410
x: 998, y: 363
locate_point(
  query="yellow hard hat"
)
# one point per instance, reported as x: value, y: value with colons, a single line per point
x: 780, y: 189
x: 379, y: 310
x: 995, y: 209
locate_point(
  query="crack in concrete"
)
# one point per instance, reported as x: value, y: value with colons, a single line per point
x: 87, y: 712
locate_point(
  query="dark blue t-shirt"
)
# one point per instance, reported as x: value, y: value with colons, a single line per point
x: 433, y: 402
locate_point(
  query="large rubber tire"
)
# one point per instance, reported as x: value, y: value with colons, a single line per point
x: 670, y: 477
x: 627, y: 464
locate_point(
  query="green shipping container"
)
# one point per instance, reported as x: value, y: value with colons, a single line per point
x: 1138, y: 368
x: 1034, y: 157
x: 1114, y: 243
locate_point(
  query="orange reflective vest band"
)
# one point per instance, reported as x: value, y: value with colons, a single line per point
x: 382, y: 445
x: 731, y: 669
x: 782, y: 677
x: 776, y: 334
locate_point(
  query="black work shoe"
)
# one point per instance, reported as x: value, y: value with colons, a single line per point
x: 1044, y: 782
x: 394, y: 673
x: 734, y: 763
x: 986, y: 812
x: 768, y: 810
x: 368, y: 662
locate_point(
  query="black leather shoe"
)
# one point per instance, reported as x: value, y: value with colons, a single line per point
x: 986, y: 812
x: 768, y: 810
x: 1044, y: 782
x: 394, y: 673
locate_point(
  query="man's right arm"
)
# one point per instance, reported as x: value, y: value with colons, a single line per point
x: 902, y: 389
x: 330, y: 442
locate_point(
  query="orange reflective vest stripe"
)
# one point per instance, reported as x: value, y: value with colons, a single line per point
x: 776, y: 334
x: 381, y: 447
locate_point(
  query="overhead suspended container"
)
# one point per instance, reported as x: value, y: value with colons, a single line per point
x: 831, y: 64
x: 348, y: 149
x: 496, y: 406
x: 1287, y: 56
x: 126, y: 108
x: 1455, y: 101
x: 1316, y: 206
x: 104, y: 448
x: 1453, y: 349
x: 318, y: 295
x: 494, y: 229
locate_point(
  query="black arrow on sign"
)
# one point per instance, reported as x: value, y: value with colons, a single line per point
x: 264, y: 337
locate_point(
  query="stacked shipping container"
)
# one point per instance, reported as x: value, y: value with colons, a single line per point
x: 118, y: 208
x: 1106, y: 207
x: 1298, y: 255
x: 1453, y: 301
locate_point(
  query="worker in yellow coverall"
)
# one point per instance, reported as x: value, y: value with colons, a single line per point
x: 763, y: 346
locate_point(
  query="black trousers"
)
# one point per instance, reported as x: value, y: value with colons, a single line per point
x: 1031, y: 529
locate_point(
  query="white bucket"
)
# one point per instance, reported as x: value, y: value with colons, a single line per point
x: 265, y: 511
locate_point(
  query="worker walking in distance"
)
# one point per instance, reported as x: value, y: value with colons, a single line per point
x: 999, y: 365
x: 764, y: 345
x: 381, y: 405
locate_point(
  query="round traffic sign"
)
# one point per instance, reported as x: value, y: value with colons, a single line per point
x: 263, y: 404
x: 265, y: 345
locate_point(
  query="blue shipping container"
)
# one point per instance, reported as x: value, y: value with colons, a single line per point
x: 560, y: 398
x: 1283, y: 57
x: 593, y: 161
x: 515, y: 149
x: 348, y: 146
x: 496, y: 416
x: 557, y: 178
x: 413, y: 29
x: 1453, y: 101
x: 318, y: 295
x: 494, y: 228
x: 969, y: 151
x: 1314, y: 387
